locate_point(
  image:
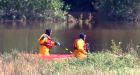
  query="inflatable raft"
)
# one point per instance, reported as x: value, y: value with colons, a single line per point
x: 51, y: 57
x: 56, y: 57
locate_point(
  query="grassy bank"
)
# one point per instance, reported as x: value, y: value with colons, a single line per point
x: 109, y: 62
x: 102, y: 63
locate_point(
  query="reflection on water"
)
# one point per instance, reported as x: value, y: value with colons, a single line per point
x: 32, y: 25
x: 80, y: 25
x: 24, y: 36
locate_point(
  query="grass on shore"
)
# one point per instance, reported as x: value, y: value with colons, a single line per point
x: 101, y: 63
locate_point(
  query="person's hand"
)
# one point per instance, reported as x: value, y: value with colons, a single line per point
x: 58, y: 44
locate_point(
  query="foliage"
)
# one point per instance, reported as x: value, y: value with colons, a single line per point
x: 97, y: 63
x: 34, y: 8
x: 113, y: 9
x: 119, y: 9
x: 116, y: 48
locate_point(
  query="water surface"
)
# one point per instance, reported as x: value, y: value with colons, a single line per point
x: 24, y: 36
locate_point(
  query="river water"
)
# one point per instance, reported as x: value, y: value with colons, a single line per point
x: 24, y: 36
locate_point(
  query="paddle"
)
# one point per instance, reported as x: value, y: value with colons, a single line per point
x: 65, y: 48
x: 88, y: 47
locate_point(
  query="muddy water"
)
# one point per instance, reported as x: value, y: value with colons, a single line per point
x: 24, y: 36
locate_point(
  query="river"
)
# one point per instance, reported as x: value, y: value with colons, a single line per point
x: 24, y: 36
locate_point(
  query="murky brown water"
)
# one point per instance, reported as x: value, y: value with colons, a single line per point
x: 24, y: 37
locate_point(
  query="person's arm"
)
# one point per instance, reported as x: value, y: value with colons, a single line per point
x: 53, y: 43
x: 42, y: 39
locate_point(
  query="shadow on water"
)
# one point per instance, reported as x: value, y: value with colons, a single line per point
x: 24, y: 36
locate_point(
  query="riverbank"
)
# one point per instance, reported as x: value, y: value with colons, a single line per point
x: 101, y: 63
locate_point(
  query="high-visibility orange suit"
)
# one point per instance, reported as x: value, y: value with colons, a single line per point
x: 80, y: 48
x: 46, y: 43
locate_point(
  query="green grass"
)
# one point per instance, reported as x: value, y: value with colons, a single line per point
x: 101, y: 63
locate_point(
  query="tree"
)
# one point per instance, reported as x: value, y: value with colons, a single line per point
x: 31, y: 8
x: 119, y: 9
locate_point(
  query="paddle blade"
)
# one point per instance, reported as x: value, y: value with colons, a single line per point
x: 66, y: 49
x: 71, y: 52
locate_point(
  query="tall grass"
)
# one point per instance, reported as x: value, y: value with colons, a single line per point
x: 101, y: 63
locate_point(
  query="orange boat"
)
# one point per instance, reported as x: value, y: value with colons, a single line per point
x: 56, y: 57
x: 51, y: 57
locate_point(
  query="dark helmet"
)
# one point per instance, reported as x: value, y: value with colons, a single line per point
x: 48, y: 32
x: 82, y: 36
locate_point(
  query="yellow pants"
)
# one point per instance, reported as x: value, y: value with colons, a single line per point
x: 79, y: 54
x: 44, y: 50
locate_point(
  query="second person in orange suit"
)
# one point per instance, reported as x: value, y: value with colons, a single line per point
x: 80, y: 49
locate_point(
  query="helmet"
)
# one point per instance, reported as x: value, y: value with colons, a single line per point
x: 82, y: 36
x: 48, y: 32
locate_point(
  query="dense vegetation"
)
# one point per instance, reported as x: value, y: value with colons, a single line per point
x: 30, y: 9
x: 111, y: 9
x: 120, y: 9
x: 102, y: 63
x: 109, y: 62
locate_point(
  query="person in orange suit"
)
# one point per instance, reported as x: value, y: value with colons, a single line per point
x: 46, y: 43
x: 80, y: 49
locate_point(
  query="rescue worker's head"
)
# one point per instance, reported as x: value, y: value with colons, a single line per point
x: 82, y: 36
x: 48, y: 32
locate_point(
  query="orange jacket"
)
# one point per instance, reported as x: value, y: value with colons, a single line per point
x: 80, y: 44
x: 80, y: 48
x: 46, y: 43
x: 46, y: 40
